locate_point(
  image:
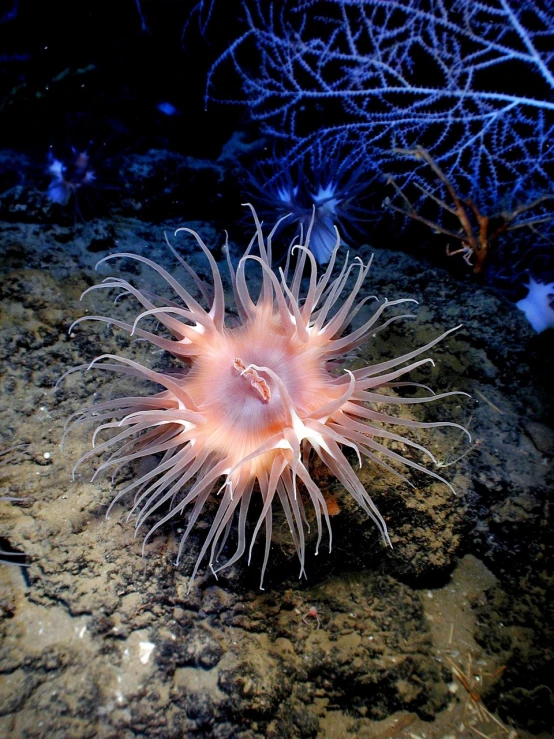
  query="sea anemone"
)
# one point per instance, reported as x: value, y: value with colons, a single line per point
x: 538, y: 304
x: 252, y: 401
x: 84, y: 164
x: 315, y: 192
x: 69, y: 176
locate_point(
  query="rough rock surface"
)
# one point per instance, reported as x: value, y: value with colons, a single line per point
x: 98, y: 641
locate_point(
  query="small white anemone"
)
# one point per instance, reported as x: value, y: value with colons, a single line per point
x: 538, y: 305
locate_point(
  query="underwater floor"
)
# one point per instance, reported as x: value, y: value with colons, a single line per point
x: 449, y: 634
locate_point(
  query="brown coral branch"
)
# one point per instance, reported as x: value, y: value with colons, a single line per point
x: 478, y: 231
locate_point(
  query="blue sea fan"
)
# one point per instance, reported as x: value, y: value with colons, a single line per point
x: 471, y: 83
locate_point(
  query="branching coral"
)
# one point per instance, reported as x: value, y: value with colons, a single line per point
x: 478, y: 233
x: 471, y: 83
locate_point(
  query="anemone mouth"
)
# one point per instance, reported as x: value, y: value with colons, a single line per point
x: 253, y: 404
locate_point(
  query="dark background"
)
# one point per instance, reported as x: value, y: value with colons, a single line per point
x: 90, y: 75
x: 90, y: 69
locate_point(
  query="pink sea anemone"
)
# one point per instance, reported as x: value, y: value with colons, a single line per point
x: 253, y: 401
